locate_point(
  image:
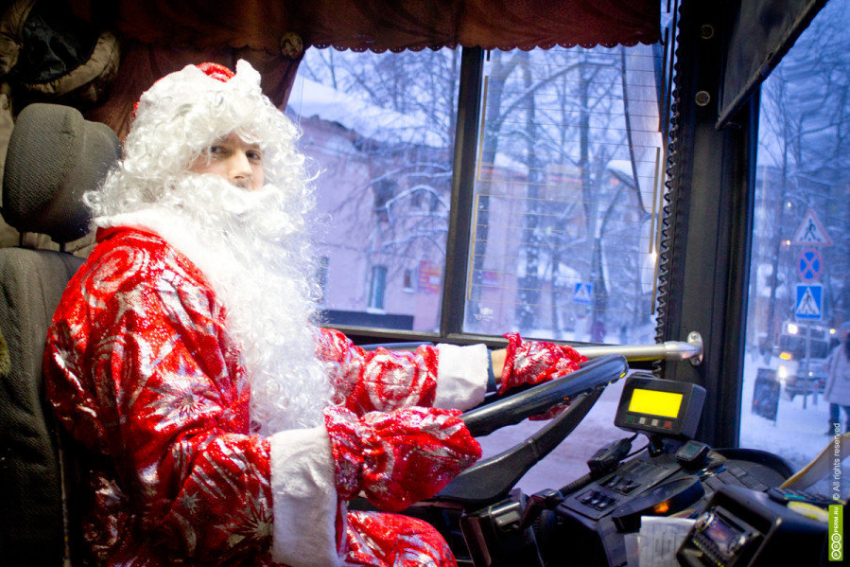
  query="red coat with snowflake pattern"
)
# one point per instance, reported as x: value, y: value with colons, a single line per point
x: 141, y: 370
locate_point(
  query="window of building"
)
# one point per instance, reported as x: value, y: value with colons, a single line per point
x: 383, y: 191
x: 322, y: 270
x: 377, y: 287
x: 408, y: 280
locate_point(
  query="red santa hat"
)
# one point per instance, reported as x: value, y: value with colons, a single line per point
x: 216, y: 71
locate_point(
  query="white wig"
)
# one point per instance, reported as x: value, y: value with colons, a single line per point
x: 252, y: 245
x: 178, y: 119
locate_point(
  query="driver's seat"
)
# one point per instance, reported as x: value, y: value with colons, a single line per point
x: 54, y: 156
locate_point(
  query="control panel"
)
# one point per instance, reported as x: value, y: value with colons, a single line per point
x: 677, y: 474
x: 589, y: 519
x: 609, y: 493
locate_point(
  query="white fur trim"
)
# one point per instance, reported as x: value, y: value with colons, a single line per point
x: 461, y: 376
x: 172, y: 228
x: 305, y: 502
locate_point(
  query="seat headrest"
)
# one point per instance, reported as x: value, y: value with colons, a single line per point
x: 55, y: 156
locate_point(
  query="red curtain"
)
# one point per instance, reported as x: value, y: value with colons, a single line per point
x: 143, y: 63
x: 162, y: 36
x: 379, y: 25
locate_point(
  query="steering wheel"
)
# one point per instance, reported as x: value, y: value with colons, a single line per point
x: 490, y: 480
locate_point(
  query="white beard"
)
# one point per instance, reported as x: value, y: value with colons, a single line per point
x: 251, y: 247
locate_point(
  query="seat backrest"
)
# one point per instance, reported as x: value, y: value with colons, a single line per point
x: 54, y: 156
x: 31, y: 504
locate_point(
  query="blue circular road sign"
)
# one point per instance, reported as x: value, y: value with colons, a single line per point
x: 810, y: 265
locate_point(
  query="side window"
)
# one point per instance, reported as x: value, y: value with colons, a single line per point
x: 379, y: 129
x: 798, y: 296
x: 567, y: 190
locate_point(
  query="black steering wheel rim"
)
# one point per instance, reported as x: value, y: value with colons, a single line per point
x: 491, y: 479
x: 515, y: 407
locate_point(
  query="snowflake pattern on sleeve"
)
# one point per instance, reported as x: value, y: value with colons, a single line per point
x: 380, y: 380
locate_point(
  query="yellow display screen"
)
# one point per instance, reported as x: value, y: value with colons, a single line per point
x: 653, y: 402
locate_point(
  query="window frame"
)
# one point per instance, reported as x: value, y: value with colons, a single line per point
x: 461, y: 218
x: 712, y: 190
x: 709, y: 234
x: 460, y: 223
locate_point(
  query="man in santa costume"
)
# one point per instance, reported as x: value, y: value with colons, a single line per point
x: 227, y: 428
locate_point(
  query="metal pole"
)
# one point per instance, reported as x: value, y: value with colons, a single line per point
x: 806, y: 364
x: 670, y: 350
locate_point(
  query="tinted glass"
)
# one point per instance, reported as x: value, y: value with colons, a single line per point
x: 798, y: 293
x: 380, y: 131
x: 568, y: 180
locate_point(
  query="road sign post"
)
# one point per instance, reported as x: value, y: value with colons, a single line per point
x: 809, y: 299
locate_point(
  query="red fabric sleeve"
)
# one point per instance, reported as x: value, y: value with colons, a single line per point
x: 379, y: 380
x: 400, y: 457
x: 534, y: 362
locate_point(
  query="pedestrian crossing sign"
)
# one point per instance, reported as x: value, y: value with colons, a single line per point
x: 809, y: 304
x: 583, y: 293
x: 811, y: 232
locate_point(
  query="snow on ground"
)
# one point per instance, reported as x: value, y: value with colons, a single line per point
x: 798, y: 436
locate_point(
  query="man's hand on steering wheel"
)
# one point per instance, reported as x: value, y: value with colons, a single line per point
x: 533, y: 362
x: 400, y: 457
